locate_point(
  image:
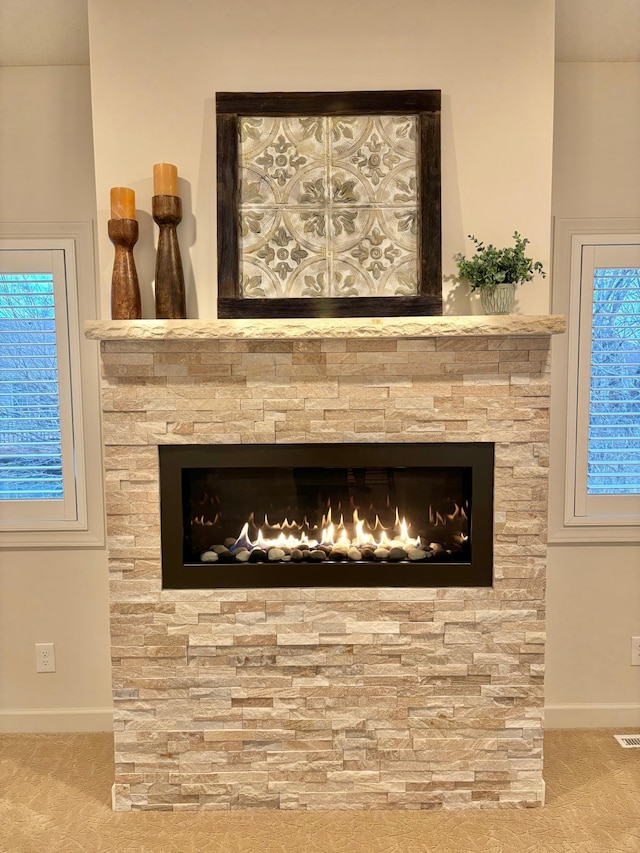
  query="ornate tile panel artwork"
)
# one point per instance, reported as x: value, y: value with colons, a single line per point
x: 328, y: 206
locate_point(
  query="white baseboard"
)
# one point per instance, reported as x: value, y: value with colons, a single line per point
x: 47, y: 720
x: 596, y: 716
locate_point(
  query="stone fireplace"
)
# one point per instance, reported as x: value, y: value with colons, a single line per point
x: 327, y: 697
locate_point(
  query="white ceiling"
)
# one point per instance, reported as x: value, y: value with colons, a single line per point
x: 56, y: 32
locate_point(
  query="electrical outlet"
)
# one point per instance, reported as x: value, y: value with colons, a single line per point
x: 45, y: 657
x: 635, y: 651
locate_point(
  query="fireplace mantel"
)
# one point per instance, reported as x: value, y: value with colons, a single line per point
x: 336, y: 328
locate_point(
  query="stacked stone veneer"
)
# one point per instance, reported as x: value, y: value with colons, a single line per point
x: 327, y: 698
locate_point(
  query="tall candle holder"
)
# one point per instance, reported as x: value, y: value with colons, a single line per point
x: 125, y: 289
x: 170, y: 296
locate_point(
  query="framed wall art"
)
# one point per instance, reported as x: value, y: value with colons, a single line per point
x: 329, y: 204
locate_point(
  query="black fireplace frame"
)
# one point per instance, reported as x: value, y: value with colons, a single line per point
x: 178, y: 574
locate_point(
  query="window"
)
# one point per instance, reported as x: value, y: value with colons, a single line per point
x: 30, y: 434
x: 43, y: 377
x: 597, y: 283
x: 612, y: 405
x: 37, y: 436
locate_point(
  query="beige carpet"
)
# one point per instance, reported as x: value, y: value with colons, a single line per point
x: 55, y: 795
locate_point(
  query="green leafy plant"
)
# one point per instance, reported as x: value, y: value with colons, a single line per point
x: 490, y: 266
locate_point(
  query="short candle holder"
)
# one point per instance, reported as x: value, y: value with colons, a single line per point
x: 170, y: 297
x: 125, y: 290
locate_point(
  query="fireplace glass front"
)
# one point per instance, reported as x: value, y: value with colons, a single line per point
x: 317, y: 515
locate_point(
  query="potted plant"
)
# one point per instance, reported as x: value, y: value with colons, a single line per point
x: 496, y: 272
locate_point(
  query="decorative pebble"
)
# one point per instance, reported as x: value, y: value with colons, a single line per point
x: 229, y: 542
x: 227, y: 557
x: 338, y: 552
x: 275, y: 554
x: 209, y: 557
x: 258, y: 556
x: 318, y: 555
x: 417, y: 554
x: 396, y: 554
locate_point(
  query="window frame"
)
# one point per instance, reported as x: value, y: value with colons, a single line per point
x: 82, y: 524
x: 575, y: 516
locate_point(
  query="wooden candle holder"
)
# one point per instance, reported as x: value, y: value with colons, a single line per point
x: 170, y: 297
x: 125, y: 290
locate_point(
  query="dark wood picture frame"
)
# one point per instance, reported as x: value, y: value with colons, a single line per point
x: 425, y: 105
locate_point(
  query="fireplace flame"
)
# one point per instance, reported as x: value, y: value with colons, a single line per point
x: 355, y: 534
x: 437, y: 518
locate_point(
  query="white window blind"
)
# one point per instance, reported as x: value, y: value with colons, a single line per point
x: 30, y: 435
x: 39, y: 417
x: 607, y: 426
x: 613, y: 464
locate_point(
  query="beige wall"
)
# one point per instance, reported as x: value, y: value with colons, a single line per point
x: 46, y: 167
x: 596, y: 168
x: 593, y: 591
x: 154, y: 100
x: 53, y: 595
x: 496, y: 127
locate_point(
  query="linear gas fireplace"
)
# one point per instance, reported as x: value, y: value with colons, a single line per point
x: 318, y: 515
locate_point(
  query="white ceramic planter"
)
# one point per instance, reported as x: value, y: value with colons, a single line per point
x: 498, y: 299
